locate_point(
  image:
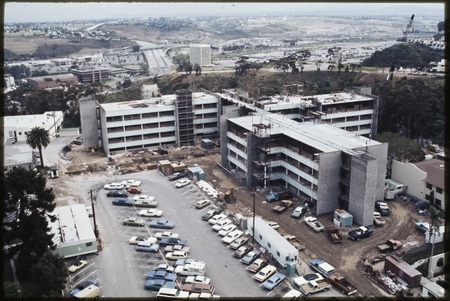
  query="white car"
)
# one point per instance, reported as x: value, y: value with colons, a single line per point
x: 220, y: 224
x: 197, y: 279
x: 134, y: 240
x: 217, y: 218
x: 175, y: 255
x: 232, y: 236
x: 166, y: 234
x: 314, y: 223
x: 227, y: 229
x: 144, y: 197
x: 151, y: 212
x: 113, y: 186
x: 182, y: 183
x: 131, y: 183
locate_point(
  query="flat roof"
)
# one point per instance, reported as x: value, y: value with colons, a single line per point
x: 18, y: 153
x: 272, y: 235
x: 72, y: 224
x: 56, y: 76
x: 45, y: 120
x: 323, y: 137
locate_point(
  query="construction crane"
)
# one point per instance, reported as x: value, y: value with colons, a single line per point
x: 406, y: 31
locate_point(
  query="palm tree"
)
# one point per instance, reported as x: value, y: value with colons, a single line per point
x: 37, y: 138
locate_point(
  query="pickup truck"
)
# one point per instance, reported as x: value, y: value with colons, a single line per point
x: 378, y: 220
x: 284, y: 205
x: 361, y: 232
x: 278, y: 196
x: 294, y: 241
x: 333, y: 234
x: 342, y: 284
x: 322, y: 267
x: 314, y: 286
x: 312, y: 222
x: 390, y: 245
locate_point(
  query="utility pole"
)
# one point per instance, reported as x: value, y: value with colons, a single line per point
x: 93, y: 212
x: 254, y: 212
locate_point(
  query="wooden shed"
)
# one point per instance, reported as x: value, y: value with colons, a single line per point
x: 403, y: 270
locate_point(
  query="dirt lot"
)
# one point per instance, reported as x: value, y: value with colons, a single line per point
x: 347, y: 257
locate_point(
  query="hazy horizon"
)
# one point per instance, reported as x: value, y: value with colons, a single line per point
x: 23, y: 12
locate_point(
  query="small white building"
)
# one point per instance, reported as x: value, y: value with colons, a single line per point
x: 281, y: 250
x: 432, y: 290
x: 149, y: 91
x: 18, y: 155
x: 16, y: 127
x: 73, y: 232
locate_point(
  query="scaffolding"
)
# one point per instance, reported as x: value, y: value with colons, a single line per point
x: 261, y: 152
x: 185, y: 118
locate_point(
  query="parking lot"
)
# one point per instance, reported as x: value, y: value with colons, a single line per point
x: 121, y: 270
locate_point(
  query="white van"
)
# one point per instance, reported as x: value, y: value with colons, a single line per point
x: 265, y: 273
x: 191, y: 269
x: 172, y: 293
x: 89, y: 292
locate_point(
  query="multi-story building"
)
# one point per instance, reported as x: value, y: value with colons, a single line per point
x: 356, y: 113
x: 200, y: 54
x: 166, y: 120
x: 91, y: 75
x: 327, y: 166
x: 8, y: 83
x: 52, y: 81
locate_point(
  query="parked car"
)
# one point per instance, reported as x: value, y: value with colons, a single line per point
x: 299, y: 211
x: 171, y: 241
x: 422, y: 226
x: 202, y: 203
x: 314, y: 223
x: 113, y: 186
x: 146, y: 203
x: 151, y: 212
x: 265, y: 273
x: 198, y: 288
x: 145, y: 246
x: 226, y: 229
x: 231, y: 236
x: 197, y: 279
x: 134, y: 240
x: 377, y: 219
x: 251, y: 256
x: 159, y: 274
x: 214, y: 219
x: 157, y: 284
x: 134, y: 190
x: 273, y: 281
x: 161, y: 223
x: 117, y: 194
x: 77, y: 265
x: 220, y: 224
x: 239, y: 242
x: 182, y: 183
x: 383, y: 208
x: 258, y: 264
x: 242, y: 251
x: 210, y: 213
x: 143, y: 197
x: 166, y: 234
x: 131, y: 183
x: 175, y: 255
x: 123, y: 202
x: 79, y: 287
x: 177, y: 175
x: 187, y: 261
x: 165, y: 267
x: 133, y: 221
x: 301, y: 280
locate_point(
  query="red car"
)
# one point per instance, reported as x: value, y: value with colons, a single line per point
x: 134, y: 190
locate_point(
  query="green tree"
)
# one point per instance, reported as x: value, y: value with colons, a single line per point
x: 50, y: 274
x: 28, y: 200
x: 197, y: 69
x: 136, y: 48
x: 37, y: 138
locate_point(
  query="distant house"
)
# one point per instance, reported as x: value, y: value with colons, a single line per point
x: 52, y: 81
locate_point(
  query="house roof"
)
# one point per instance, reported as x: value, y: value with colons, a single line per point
x: 435, y: 171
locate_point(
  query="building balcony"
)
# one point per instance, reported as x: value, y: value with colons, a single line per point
x: 237, y: 138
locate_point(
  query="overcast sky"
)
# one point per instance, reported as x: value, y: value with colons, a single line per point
x: 45, y: 12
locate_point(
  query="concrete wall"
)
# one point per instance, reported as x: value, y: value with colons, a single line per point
x: 379, y: 153
x: 363, y: 192
x: 410, y: 175
x: 88, y: 118
x: 225, y: 113
x: 329, y: 177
